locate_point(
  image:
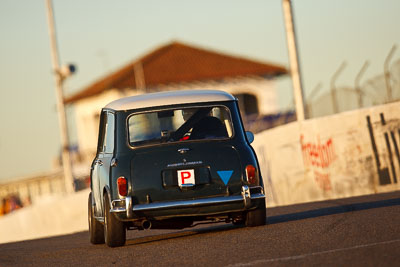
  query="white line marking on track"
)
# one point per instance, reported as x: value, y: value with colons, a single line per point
x: 289, y: 258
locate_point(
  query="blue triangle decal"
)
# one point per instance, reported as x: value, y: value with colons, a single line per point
x: 225, y: 176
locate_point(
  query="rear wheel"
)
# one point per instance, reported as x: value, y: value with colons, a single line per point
x: 256, y: 217
x: 114, y: 230
x: 96, y: 229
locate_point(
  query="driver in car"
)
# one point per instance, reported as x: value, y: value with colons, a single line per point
x: 206, y: 127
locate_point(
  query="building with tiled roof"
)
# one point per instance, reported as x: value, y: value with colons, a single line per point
x: 177, y: 63
x: 177, y: 66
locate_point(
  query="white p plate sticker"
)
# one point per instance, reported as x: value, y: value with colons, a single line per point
x: 186, y: 177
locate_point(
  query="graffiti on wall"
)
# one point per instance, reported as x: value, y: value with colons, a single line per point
x: 387, y: 174
x: 320, y: 156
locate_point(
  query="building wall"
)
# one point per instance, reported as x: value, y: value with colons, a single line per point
x: 263, y: 89
x: 87, y: 113
x: 87, y: 110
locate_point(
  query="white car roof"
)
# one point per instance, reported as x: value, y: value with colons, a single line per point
x: 169, y: 98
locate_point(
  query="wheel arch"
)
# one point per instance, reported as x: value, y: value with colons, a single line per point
x: 106, y: 192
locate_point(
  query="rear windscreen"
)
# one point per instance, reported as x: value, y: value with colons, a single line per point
x: 181, y: 124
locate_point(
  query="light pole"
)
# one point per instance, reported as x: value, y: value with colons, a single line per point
x: 60, y: 75
x: 294, y: 59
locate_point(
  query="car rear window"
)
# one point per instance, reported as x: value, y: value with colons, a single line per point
x: 179, y: 125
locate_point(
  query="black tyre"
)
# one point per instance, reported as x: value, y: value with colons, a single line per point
x: 256, y: 217
x: 114, y: 230
x: 96, y: 229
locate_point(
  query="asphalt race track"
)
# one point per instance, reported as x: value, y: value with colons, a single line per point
x: 361, y: 231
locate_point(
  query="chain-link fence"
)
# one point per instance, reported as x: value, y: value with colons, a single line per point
x: 377, y: 90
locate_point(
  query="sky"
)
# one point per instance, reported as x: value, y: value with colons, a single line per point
x: 99, y: 36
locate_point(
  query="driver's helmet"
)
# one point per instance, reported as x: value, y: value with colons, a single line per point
x: 188, y: 112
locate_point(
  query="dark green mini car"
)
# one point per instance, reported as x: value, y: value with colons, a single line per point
x: 167, y: 160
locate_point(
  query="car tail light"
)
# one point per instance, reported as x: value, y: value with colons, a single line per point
x: 122, y: 186
x: 251, y: 174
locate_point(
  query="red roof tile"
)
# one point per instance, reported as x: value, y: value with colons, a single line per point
x: 177, y: 63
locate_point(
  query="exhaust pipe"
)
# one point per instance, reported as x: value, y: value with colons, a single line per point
x: 146, y: 224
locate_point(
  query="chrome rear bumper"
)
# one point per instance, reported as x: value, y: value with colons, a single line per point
x: 246, y: 198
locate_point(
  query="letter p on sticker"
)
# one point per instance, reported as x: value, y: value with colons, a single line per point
x: 185, y: 177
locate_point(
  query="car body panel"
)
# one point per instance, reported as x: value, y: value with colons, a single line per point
x: 150, y: 167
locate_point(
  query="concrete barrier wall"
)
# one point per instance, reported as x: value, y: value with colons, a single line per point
x: 347, y: 154
x: 51, y: 215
